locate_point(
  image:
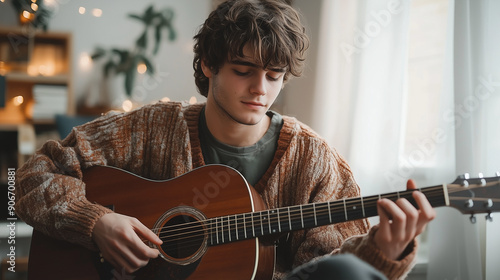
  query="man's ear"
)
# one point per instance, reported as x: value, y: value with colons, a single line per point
x: 206, y: 70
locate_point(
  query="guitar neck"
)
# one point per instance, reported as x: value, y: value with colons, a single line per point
x: 226, y: 229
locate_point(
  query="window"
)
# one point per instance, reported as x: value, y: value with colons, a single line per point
x: 426, y: 78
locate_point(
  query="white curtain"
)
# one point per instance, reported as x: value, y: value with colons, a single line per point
x: 360, y: 86
x: 360, y: 103
x: 465, y: 250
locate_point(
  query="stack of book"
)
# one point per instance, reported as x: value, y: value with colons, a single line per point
x: 50, y: 100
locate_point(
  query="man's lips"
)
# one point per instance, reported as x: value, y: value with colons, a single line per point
x: 253, y: 103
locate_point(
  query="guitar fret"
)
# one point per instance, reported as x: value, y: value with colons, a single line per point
x: 356, y: 208
x: 211, y: 232
x: 231, y: 237
x: 236, y: 225
x: 261, y: 224
x: 289, y: 219
x: 229, y: 227
x: 279, y: 222
x: 217, y: 229
x: 301, y: 216
x: 315, y: 217
x: 345, y: 210
x: 329, y: 212
x: 253, y: 225
x: 269, y: 221
x: 274, y: 218
x: 245, y: 224
x: 363, y: 207
x: 222, y: 228
x: 224, y: 239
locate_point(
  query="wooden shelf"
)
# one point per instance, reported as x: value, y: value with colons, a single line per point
x: 19, y: 77
x: 8, y: 126
x: 32, y: 60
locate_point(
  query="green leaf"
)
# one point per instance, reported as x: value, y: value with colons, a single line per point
x: 172, y: 35
x: 149, y: 13
x: 158, y: 30
x: 96, y: 56
x: 142, y: 41
x: 149, y: 65
x: 136, y: 17
x: 123, y: 55
x: 98, y: 53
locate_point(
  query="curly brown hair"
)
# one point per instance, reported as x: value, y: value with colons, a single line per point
x: 271, y: 28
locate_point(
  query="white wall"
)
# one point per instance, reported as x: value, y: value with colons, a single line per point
x: 114, y: 29
x: 297, y: 96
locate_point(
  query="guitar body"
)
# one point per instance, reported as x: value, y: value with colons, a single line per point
x: 207, y: 192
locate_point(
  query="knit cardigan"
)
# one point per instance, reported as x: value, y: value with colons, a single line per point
x: 161, y: 141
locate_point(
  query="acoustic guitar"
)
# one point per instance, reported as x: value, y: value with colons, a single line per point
x: 215, y: 226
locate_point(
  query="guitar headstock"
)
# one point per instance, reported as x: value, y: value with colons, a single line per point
x: 475, y: 195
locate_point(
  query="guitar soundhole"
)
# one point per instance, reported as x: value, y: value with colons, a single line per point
x: 183, y: 234
x: 183, y: 237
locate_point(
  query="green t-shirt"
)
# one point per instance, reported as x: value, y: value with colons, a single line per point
x: 252, y: 161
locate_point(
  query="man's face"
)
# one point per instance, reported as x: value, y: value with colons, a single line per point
x: 243, y: 90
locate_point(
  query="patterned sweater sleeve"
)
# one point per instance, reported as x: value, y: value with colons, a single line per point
x: 51, y: 193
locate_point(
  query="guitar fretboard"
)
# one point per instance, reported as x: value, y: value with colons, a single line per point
x: 243, y: 226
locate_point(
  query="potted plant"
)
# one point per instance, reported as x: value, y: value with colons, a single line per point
x: 124, y: 61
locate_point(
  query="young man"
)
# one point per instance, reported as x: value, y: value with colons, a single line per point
x: 244, y: 53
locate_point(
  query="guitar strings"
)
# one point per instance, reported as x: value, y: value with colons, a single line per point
x: 190, y: 240
x: 197, y: 240
x: 428, y: 191
x: 349, y: 201
x: 226, y: 225
x: 226, y: 229
x: 182, y: 243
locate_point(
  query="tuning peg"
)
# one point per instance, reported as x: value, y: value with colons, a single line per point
x: 472, y: 218
x: 481, y: 176
x: 488, y: 203
x: 489, y: 217
x: 463, y: 179
x: 464, y: 176
x: 469, y: 203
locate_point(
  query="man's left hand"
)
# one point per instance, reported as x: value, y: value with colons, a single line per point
x: 401, y: 222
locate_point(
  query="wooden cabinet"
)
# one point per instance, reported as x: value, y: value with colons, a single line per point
x: 29, y: 61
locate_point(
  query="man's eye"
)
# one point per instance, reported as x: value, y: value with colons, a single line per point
x: 273, y: 78
x: 240, y: 73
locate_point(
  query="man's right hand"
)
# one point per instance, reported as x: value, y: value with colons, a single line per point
x: 119, y: 240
